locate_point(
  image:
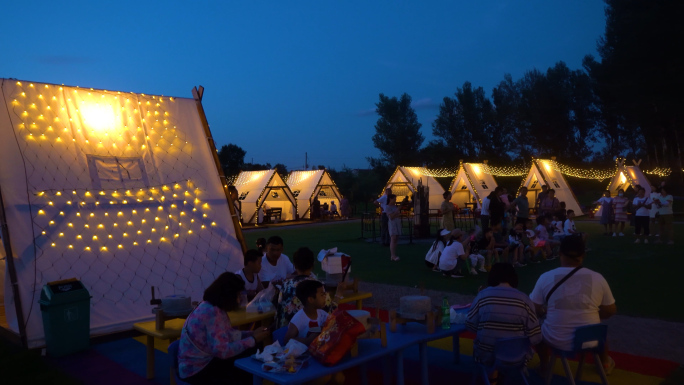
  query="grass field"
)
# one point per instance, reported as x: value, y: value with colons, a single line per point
x: 644, y: 278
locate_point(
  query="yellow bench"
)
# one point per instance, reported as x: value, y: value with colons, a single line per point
x: 358, y: 297
x: 172, y: 331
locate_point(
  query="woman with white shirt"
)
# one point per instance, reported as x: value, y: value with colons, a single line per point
x: 606, y: 203
x: 665, y: 215
x: 642, y: 205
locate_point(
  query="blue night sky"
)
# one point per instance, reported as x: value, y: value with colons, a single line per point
x: 285, y: 78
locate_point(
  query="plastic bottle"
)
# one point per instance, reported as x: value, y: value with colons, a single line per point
x: 446, y: 314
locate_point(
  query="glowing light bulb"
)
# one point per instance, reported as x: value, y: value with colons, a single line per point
x: 79, y: 236
x: 87, y: 248
x: 41, y: 212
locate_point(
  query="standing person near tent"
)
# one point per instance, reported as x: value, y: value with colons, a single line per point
x: 384, y: 220
x: 275, y: 266
x: 540, y: 197
x: 497, y: 209
x: 236, y: 202
x: 484, y: 212
x: 642, y: 205
x: 606, y: 203
x: 620, y: 203
x: 316, y: 209
x: 523, y: 206
x: 394, y: 224
x: 506, y: 200
x: 447, y: 209
x: 666, y: 215
x: 345, y: 208
x: 208, y: 344
x: 550, y: 204
x: 654, y: 213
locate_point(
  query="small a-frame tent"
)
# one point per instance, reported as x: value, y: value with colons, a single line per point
x: 307, y: 185
x: 625, y: 177
x: 471, y: 184
x: 546, y: 172
x: 404, y: 182
x: 256, y: 188
x: 119, y: 190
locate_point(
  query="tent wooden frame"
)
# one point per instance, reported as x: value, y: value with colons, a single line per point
x: 315, y: 191
x: 541, y: 172
x: 267, y: 190
x: 466, y: 172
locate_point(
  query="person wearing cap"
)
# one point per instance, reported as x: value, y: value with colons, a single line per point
x: 433, y: 255
x: 453, y: 255
x: 583, y: 299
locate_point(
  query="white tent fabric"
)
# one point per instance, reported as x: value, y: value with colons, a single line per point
x: 264, y: 187
x: 119, y: 190
x: 471, y: 184
x: 404, y: 183
x: 306, y: 185
x: 546, y: 172
x: 625, y: 177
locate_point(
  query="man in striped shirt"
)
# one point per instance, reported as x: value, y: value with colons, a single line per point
x: 501, y: 311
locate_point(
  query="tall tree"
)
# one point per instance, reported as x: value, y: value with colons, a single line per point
x: 397, y: 133
x: 232, y: 158
x: 642, y: 69
x: 281, y: 169
x: 506, y: 98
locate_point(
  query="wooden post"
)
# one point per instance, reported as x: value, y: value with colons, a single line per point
x: 197, y: 94
x: 12, y: 273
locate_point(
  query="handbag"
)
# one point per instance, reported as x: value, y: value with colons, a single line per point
x: 338, y: 336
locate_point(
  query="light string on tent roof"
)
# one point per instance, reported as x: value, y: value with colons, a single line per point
x: 504, y: 171
x: 246, y: 177
x: 297, y: 177
x: 660, y: 171
x: 446, y: 172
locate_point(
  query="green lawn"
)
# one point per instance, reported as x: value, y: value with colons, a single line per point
x: 641, y: 276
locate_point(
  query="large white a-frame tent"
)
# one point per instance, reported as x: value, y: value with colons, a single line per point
x: 307, y: 185
x: 119, y: 190
x: 626, y: 177
x: 264, y: 187
x: 404, y: 183
x: 471, y: 184
x: 546, y: 172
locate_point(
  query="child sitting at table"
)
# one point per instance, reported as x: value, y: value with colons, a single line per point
x: 308, y: 323
x: 250, y: 273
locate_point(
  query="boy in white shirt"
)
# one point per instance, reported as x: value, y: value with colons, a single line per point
x: 275, y: 265
x: 642, y: 205
x: 250, y: 273
x: 569, y: 227
x: 453, y: 255
x: 308, y: 322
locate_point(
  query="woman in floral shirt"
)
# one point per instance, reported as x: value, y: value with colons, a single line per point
x: 288, y: 303
x: 208, y: 344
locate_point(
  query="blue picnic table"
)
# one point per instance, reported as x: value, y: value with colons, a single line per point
x: 407, y: 335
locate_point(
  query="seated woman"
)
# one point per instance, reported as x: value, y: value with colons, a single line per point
x: 501, y: 311
x: 288, y: 303
x: 432, y: 256
x: 208, y: 344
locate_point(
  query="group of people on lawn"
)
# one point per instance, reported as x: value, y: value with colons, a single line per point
x: 653, y: 214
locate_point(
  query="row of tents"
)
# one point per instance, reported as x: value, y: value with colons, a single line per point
x: 124, y: 191
x: 472, y: 182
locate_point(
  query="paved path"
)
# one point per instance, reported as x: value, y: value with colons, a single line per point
x: 644, y: 337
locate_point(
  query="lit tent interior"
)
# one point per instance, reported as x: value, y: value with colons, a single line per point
x: 471, y: 183
x: 404, y: 183
x: 264, y: 187
x: 307, y: 185
x: 625, y: 177
x: 547, y: 172
x: 119, y: 190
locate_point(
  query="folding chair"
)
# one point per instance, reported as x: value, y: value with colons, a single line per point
x: 588, y: 339
x: 509, y: 358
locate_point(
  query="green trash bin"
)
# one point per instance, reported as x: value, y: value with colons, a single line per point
x: 65, y: 306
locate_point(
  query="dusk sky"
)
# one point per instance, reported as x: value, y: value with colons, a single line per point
x: 285, y: 78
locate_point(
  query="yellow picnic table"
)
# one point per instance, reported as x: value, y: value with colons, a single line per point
x: 172, y: 331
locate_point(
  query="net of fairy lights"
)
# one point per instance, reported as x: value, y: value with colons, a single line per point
x: 118, y: 240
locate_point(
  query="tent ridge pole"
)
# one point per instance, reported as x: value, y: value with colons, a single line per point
x: 13, y: 273
x: 197, y: 95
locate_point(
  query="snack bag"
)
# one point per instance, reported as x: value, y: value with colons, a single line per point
x: 337, y: 338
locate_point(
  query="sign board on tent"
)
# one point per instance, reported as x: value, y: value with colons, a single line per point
x: 117, y: 189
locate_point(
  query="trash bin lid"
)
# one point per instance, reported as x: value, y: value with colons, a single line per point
x: 62, y: 292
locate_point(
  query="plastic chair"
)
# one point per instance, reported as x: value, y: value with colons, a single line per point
x: 510, y: 355
x: 279, y: 335
x: 173, y: 354
x: 588, y: 339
